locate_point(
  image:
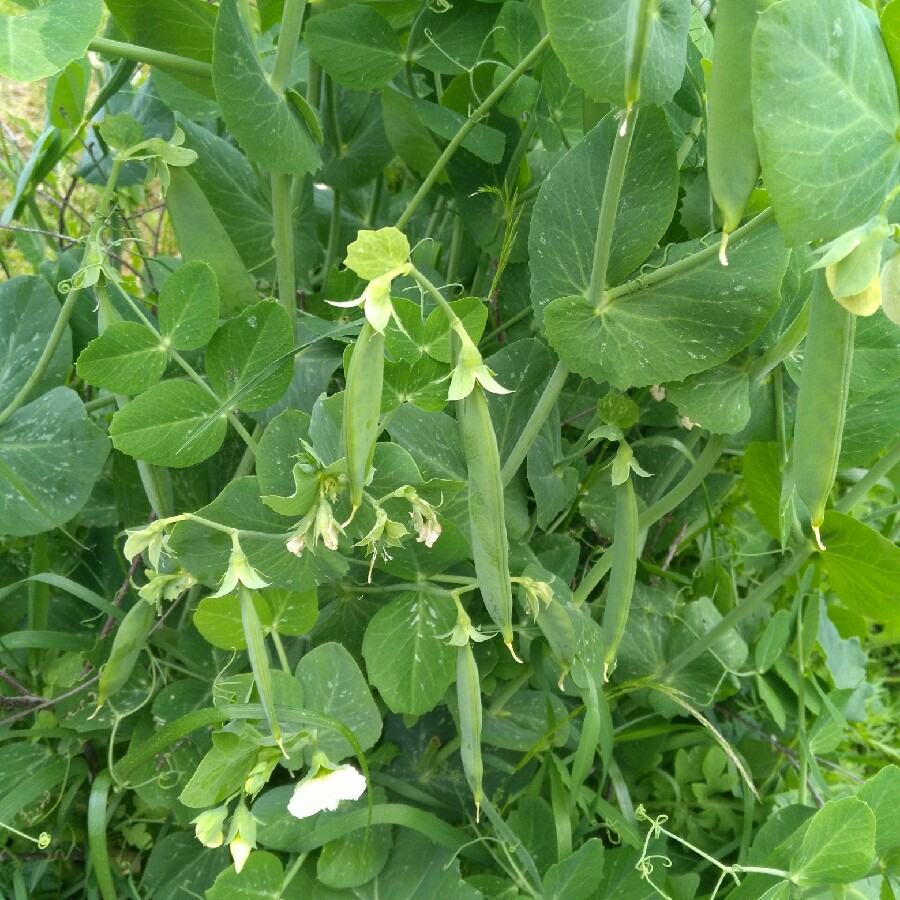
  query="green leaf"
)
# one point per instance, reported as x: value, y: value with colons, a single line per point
x: 839, y: 845
x: 260, y: 879
x: 717, y: 399
x: 188, y: 306
x: 349, y: 862
x: 407, y: 662
x: 881, y: 793
x: 890, y: 32
x: 826, y: 116
x: 171, y: 424
x: 28, y: 311
x: 693, y: 315
x: 364, y: 150
x: 333, y: 685
x: 577, y: 876
x: 67, y: 92
x: 527, y: 719
x: 407, y: 134
x: 422, y: 383
x: 356, y: 46
x: 293, y: 613
x: 436, y: 339
x: 182, y: 27
x: 232, y: 189
x: 45, y: 40
x: 863, y: 568
x: 180, y: 865
x: 50, y: 456
x: 251, y: 347
x: 219, y: 774
x: 376, y: 253
x: 589, y: 37
x: 264, y: 123
x: 126, y: 359
x: 450, y: 40
x: 876, y: 356
x: 517, y: 32
x: 483, y: 141
x: 564, y: 224
x: 201, y: 236
x: 554, y: 487
x: 870, y: 426
x: 218, y: 619
x: 773, y: 641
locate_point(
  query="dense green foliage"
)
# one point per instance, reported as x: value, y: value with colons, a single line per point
x: 482, y: 481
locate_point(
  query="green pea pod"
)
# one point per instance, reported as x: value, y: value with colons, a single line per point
x: 468, y: 693
x: 490, y: 545
x: 624, y: 567
x: 732, y: 157
x: 362, y: 408
x: 259, y: 660
x: 822, y: 401
x: 130, y: 639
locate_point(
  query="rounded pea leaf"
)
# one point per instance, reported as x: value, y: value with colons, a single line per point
x: 126, y: 359
x: 293, y: 612
x: 264, y: 123
x: 44, y: 40
x: 375, y: 253
x: 333, y: 685
x: 356, y: 46
x: 589, y: 37
x: 244, y: 360
x: 189, y: 306
x: 564, y: 224
x: 261, y: 876
x: 218, y: 619
x: 839, y: 845
x: 50, y: 456
x: 826, y: 115
x: 683, y: 319
x: 28, y: 311
x: 405, y: 657
x: 175, y: 423
x: 718, y: 399
x: 863, y: 567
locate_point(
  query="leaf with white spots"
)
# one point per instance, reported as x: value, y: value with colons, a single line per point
x: 407, y: 661
x: 334, y: 685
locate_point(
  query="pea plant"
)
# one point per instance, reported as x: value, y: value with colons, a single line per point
x: 449, y: 448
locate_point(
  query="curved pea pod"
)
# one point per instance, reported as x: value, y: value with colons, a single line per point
x: 468, y: 694
x: 490, y: 545
x: 732, y: 157
x: 130, y: 639
x: 822, y: 401
x: 362, y: 408
x: 622, y: 574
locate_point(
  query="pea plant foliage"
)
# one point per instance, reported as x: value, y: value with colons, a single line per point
x: 449, y: 448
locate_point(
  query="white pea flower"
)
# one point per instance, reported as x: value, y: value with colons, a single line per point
x: 324, y: 789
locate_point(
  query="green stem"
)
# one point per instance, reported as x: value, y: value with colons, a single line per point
x: 612, y: 189
x: 291, y: 25
x: 750, y: 604
x: 512, y: 320
x: 283, y: 221
x: 436, y: 295
x: 535, y: 422
x: 279, y: 651
x: 170, y: 61
x: 38, y: 594
x: 701, y: 468
x: 687, y: 264
x: 334, y: 234
x: 515, y: 161
x: 68, y: 307
x: 868, y: 481
x: 467, y: 127
x: 455, y: 250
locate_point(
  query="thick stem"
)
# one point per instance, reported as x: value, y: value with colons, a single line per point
x: 783, y: 347
x: 612, y: 189
x: 291, y: 25
x: 283, y: 221
x: 170, y: 61
x: 535, y: 422
x: 467, y: 126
